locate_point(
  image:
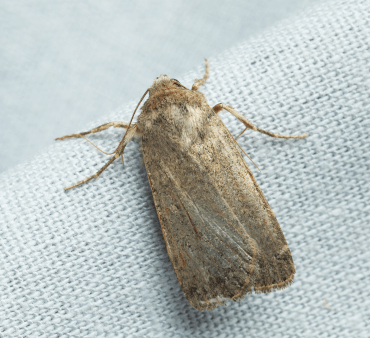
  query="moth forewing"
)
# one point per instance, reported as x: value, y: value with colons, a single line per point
x: 221, y: 235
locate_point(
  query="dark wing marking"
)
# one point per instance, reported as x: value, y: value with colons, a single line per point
x: 221, y: 235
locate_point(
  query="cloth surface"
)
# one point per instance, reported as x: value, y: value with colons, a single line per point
x: 92, y: 262
x: 66, y: 63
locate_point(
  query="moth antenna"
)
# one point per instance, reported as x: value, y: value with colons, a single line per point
x: 132, y: 117
x: 97, y: 146
x: 198, y: 83
x: 247, y: 156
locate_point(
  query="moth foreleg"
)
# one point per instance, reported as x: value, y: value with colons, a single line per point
x: 97, y: 174
x: 105, y: 126
x: 249, y: 125
x: 118, y: 152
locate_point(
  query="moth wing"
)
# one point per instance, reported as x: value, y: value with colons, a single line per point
x: 221, y: 235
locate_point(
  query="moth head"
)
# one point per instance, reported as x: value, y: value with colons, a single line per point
x: 163, y: 82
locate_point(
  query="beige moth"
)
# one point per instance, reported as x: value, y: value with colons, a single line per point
x: 222, y: 237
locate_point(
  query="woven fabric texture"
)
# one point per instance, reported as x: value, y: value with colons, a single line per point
x: 66, y: 63
x: 92, y: 262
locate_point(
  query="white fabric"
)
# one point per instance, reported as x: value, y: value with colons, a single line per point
x: 92, y: 262
x: 64, y: 64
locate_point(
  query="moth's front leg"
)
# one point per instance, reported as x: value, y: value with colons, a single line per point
x: 117, y: 153
x: 248, y: 124
x: 105, y: 126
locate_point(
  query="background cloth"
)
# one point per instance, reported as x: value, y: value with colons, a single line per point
x: 66, y: 63
x: 92, y: 262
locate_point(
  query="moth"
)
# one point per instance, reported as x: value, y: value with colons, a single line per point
x: 221, y: 235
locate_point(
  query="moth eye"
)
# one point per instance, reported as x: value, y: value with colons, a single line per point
x: 177, y: 83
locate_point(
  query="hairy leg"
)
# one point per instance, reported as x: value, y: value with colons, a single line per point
x: 249, y: 125
x: 105, y: 126
x: 117, y: 153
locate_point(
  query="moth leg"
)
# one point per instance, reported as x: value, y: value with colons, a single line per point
x: 249, y: 125
x: 105, y: 126
x: 116, y: 124
x: 118, y: 152
x: 97, y: 174
x: 198, y: 83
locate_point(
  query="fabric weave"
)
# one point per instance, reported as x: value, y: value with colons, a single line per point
x: 92, y: 262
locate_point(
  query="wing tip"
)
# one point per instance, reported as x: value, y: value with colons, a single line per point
x: 220, y: 300
x: 275, y: 287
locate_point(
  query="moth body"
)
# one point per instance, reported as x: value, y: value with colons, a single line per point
x: 221, y: 235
